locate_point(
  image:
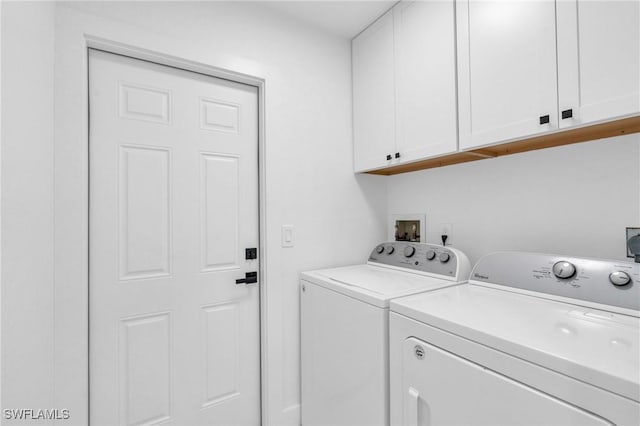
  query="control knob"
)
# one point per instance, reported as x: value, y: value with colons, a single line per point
x: 619, y: 278
x: 380, y: 249
x: 390, y: 249
x: 444, y: 257
x: 431, y: 254
x: 409, y: 251
x: 564, y: 270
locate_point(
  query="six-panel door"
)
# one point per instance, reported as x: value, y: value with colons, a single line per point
x: 173, y: 205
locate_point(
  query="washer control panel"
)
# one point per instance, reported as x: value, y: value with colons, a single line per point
x: 607, y: 282
x: 419, y: 257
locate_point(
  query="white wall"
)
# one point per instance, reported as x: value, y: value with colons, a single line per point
x: 27, y: 205
x: 338, y: 217
x: 515, y: 202
x: 574, y: 200
x: 0, y: 205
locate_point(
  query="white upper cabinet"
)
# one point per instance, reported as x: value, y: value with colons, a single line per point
x: 519, y: 62
x: 506, y: 70
x: 598, y: 60
x: 425, y: 64
x: 437, y: 77
x: 374, y: 95
x: 404, y: 79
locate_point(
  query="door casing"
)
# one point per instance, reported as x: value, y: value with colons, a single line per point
x: 92, y: 42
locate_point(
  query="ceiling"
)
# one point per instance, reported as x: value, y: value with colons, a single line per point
x: 344, y: 18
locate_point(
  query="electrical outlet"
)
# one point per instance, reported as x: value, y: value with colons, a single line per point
x: 446, y: 229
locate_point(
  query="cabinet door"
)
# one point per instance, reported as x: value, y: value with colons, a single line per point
x: 598, y: 60
x: 506, y: 70
x: 373, y: 95
x: 425, y: 60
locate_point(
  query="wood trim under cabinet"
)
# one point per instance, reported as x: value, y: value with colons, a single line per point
x: 583, y: 134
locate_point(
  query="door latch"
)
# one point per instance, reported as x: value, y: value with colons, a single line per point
x: 249, y: 278
x: 250, y: 253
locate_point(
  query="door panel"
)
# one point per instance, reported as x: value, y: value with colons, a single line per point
x: 144, y: 214
x: 173, y: 205
x: 222, y: 352
x: 145, y: 373
x: 220, y: 211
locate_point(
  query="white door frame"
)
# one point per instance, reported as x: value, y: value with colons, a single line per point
x: 80, y: 234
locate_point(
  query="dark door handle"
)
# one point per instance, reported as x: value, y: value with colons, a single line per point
x: 388, y: 157
x: 397, y: 155
x: 249, y: 278
x: 567, y: 113
x: 544, y: 119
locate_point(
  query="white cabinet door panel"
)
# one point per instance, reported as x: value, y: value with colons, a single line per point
x: 506, y: 70
x: 373, y: 95
x: 598, y: 59
x: 426, y: 109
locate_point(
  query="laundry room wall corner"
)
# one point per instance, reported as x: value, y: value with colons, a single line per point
x: 27, y: 206
x: 308, y: 178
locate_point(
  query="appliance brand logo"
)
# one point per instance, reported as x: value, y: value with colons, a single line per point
x: 480, y: 276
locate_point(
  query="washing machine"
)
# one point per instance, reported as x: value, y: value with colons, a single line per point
x: 345, y: 328
x: 530, y: 339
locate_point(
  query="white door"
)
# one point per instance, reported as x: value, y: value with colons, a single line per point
x: 598, y: 60
x: 374, y: 96
x: 173, y: 205
x: 425, y: 71
x: 506, y: 70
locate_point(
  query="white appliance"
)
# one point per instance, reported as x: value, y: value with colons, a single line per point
x: 345, y: 328
x: 531, y: 339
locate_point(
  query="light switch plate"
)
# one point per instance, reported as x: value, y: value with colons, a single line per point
x: 288, y: 239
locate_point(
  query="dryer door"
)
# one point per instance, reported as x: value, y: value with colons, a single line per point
x: 441, y: 388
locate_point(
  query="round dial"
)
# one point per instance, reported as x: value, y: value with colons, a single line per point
x: 380, y: 249
x: 619, y: 278
x: 431, y: 255
x: 409, y: 251
x: 564, y: 269
x: 444, y: 257
x: 390, y: 249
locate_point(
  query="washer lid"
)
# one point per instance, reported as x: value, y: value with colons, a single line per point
x: 597, y: 347
x: 373, y: 284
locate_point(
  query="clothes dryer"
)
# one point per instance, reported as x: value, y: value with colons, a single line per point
x: 531, y: 339
x: 345, y: 328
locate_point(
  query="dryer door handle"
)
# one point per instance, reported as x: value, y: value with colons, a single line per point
x: 413, y: 407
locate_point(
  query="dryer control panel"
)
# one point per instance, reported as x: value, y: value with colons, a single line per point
x: 593, y: 281
x: 429, y: 259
